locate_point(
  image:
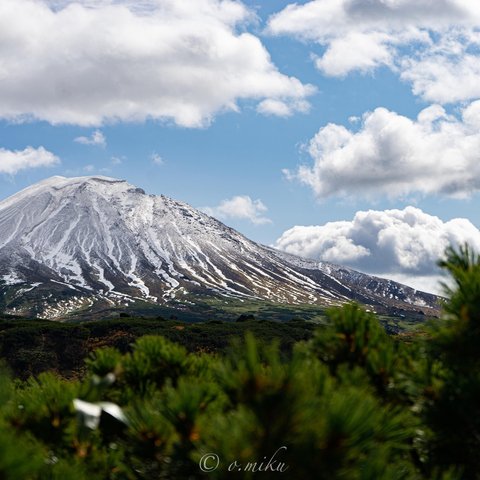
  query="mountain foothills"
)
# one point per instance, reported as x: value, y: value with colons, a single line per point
x: 69, y: 246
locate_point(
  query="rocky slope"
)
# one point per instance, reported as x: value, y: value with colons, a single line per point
x: 71, y: 244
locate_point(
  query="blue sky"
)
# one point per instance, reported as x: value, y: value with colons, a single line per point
x: 232, y: 160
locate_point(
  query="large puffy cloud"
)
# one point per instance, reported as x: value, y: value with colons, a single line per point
x: 393, y: 155
x: 12, y: 161
x: 91, y: 62
x: 428, y: 42
x: 240, y: 207
x: 404, y: 245
x: 443, y: 78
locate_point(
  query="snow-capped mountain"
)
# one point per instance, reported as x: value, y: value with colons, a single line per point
x: 69, y: 243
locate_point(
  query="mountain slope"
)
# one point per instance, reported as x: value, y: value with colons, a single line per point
x: 68, y: 244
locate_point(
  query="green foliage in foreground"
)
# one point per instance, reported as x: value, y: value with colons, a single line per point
x: 350, y: 403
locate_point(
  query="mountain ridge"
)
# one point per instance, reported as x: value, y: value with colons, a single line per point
x: 85, y: 240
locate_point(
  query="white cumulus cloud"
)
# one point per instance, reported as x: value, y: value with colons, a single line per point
x: 428, y: 43
x: 92, y: 62
x: 280, y: 108
x: 403, y: 245
x: 240, y: 207
x: 446, y: 74
x: 157, y: 159
x: 12, y: 162
x: 393, y: 155
x: 96, y: 138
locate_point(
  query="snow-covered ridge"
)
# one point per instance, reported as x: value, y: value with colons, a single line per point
x: 57, y: 182
x: 103, y: 236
